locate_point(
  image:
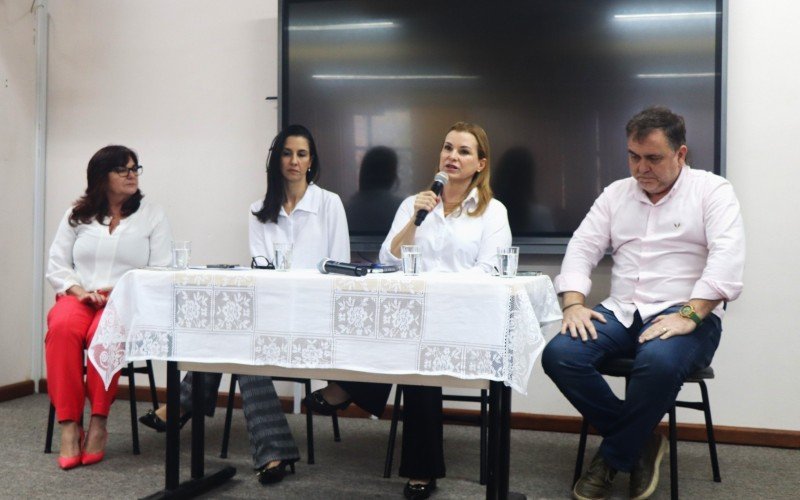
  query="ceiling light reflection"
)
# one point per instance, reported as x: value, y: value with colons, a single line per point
x: 395, y: 77
x: 666, y: 16
x: 345, y: 26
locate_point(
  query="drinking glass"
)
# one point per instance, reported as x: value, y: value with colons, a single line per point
x: 181, y: 252
x: 411, y: 259
x: 283, y: 256
x: 507, y: 261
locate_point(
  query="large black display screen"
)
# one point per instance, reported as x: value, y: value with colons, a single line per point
x: 553, y: 82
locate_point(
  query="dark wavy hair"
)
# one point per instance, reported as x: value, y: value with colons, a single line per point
x: 276, y: 194
x: 94, y: 203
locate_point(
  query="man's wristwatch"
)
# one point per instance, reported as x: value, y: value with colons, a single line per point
x: 688, y: 312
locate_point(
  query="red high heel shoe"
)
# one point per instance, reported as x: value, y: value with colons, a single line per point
x: 67, y: 463
x: 93, y: 458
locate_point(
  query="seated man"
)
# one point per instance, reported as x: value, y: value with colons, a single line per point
x: 677, y: 242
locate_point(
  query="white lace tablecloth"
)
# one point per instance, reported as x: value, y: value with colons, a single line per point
x: 469, y: 326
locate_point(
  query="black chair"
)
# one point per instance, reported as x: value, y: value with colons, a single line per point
x: 622, y: 367
x: 309, y: 417
x: 482, y: 420
x: 129, y: 371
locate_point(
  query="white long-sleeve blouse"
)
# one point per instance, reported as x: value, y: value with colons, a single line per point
x: 87, y: 255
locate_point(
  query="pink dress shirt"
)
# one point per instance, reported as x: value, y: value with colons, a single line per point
x: 689, y: 245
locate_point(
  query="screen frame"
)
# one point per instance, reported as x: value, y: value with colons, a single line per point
x: 544, y: 245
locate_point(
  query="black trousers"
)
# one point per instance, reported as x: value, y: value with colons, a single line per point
x: 422, y: 456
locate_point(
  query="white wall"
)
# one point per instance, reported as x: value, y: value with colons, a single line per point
x: 17, y: 111
x: 184, y: 84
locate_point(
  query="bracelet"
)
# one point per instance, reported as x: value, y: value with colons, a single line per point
x: 573, y: 304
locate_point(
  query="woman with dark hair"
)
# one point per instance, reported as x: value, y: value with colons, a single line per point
x: 464, y: 227
x: 109, y: 231
x: 297, y: 211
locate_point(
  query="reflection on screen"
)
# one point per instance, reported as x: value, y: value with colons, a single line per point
x: 553, y: 82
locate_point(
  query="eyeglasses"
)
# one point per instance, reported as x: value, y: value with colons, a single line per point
x: 261, y: 262
x: 125, y: 171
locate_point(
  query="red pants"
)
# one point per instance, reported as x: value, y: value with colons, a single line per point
x: 70, y: 328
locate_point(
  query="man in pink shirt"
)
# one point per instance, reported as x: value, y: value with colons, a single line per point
x: 677, y: 241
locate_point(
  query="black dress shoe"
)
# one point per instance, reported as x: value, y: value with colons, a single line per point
x: 276, y: 473
x: 150, y: 419
x: 419, y: 491
x: 316, y: 402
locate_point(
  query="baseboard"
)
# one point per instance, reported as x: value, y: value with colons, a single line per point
x: 18, y: 390
x: 773, y: 438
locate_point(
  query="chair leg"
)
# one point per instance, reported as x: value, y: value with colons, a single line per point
x: 581, y: 451
x: 673, y: 455
x: 337, y: 436
x: 484, y: 435
x: 712, y: 442
x: 310, y: 426
x: 51, y: 419
x: 132, y: 399
x: 152, y: 380
x: 387, y: 468
x: 226, y: 432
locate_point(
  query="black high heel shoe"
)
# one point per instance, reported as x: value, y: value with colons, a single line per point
x: 316, y: 402
x: 150, y: 419
x: 275, y: 474
x: 419, y: 491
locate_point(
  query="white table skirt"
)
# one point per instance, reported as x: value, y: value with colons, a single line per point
x: 467, y: 325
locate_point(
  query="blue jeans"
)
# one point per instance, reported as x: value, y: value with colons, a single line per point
x: 659, y: 369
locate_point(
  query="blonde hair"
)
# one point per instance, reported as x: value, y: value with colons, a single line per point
x: 481, y: 179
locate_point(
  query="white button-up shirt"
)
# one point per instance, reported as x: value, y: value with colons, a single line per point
x: 457, y: 242
x: 87, y: 255
x: 317, y: 228
x: 689, y: 245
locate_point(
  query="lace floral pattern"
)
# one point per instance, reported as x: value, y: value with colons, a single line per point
x: 233, y: 310
x: 355, y: 315
x: 312, y: 353
x: 271, y: 350
x: 150, y: 342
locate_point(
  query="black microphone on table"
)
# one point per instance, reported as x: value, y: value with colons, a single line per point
x: 438, y: 184
x: 326, y: 266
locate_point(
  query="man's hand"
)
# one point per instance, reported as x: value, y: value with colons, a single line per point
x: 666, y: 326
x: 578, y: 321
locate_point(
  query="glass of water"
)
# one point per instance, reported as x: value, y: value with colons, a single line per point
x: 283, y: 256
x: 181, y: 252
x: 411, y: 259
x: 507, y: 261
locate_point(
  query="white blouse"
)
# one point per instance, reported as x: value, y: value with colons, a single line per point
x: 317, y: 228
x: 87, y: 255
x: 457, y: 242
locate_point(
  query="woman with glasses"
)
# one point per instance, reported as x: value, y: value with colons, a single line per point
x: 107, y: 232
x: 298, y: 212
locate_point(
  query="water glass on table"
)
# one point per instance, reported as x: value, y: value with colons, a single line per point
x: 283, y: 256
x: 181, y: 252
x: 411, y: 259
x: 507, y: 261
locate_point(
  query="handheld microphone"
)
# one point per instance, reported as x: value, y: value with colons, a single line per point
x: 327, y: 265
x: 438, y: 184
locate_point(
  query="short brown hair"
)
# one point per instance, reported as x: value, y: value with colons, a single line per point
x: 658, y: 118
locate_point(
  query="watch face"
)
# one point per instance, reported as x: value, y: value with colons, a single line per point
x: 686, y: 311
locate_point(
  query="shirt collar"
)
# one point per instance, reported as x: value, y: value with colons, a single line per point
x: 310, y: 202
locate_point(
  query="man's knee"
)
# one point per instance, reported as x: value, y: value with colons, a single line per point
x: 555, y: 352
